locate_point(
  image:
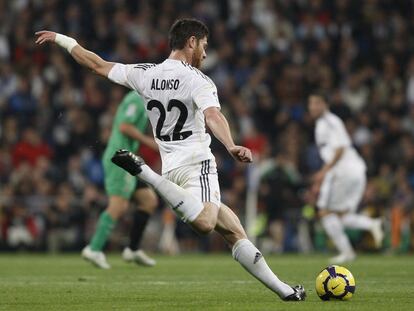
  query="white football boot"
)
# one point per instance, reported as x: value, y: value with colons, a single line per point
x: 138, y: 257
x: 343, y: 258
x: 377, y: 232
x: 97, y: 258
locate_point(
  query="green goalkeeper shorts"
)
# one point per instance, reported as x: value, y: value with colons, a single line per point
x: 117, y: 181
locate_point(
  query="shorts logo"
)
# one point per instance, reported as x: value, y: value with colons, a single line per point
x: 257, y: 257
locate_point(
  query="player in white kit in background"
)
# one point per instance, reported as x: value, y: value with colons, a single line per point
x: 341, y: 181
x: 181, y: 101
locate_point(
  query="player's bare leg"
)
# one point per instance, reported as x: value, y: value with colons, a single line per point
x: 334, y: 228
x: 147, y: 203
x: 230, y: 228
x: 117, y: 207
x: 93, y: 252
x: 207, y: 219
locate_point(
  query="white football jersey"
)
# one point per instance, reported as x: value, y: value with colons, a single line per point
x: 175, y: 95
x: 331, y: 134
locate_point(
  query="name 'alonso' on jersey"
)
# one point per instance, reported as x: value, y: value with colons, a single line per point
x: 175, y: 95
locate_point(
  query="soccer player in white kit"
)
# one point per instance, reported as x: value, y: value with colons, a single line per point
x: 181, y: 101
x: 341, y: 181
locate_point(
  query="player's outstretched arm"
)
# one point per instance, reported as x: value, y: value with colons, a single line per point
x: 82, y: 56
x: 218, y: 124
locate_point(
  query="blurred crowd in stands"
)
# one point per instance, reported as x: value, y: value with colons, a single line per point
x: 265, y: 57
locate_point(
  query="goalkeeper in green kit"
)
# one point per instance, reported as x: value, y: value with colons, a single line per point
x: 128, y: 131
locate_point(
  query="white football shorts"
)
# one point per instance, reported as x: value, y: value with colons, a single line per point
x: 201, y: 180
x: 342, y: 192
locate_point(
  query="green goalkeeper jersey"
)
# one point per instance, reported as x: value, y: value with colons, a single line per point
x: 131, y: 110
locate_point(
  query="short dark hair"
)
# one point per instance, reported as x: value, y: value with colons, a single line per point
x: 322, y: 95
x: 183, y: 29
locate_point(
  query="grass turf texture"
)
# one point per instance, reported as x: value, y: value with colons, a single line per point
x: 192, y: 282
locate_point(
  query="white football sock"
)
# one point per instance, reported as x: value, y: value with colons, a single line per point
x: 335, y: 230
x: 183, y: 203
x: 149, y: 176
x: 252, y: 260
x: 358, y: 221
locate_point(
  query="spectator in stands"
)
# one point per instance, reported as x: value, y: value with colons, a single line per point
x: 30, y: 148
x: 64, y: 222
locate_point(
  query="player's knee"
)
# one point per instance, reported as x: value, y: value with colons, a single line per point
x: 117, y: 207
x: 204, y: 227
x: 149, y: 206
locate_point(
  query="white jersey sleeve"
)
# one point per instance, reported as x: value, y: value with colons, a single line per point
x: 204, y: 93
x: 131, y: 76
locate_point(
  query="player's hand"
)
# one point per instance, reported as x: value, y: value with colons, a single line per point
x: 314, y: 191
x: 241, y: 154
x: 45, y: 36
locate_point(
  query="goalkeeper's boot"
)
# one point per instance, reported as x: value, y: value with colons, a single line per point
x: 128, y: 161
x: 298, y: 295
x: 95, y: 257
x: 139, y: 257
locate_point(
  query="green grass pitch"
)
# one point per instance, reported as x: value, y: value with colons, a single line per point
x: 193, y: 282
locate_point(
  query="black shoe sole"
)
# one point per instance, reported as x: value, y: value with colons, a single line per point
x: 128, y: 161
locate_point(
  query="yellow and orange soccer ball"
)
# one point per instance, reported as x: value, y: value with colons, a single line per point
x: 335, y: 283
